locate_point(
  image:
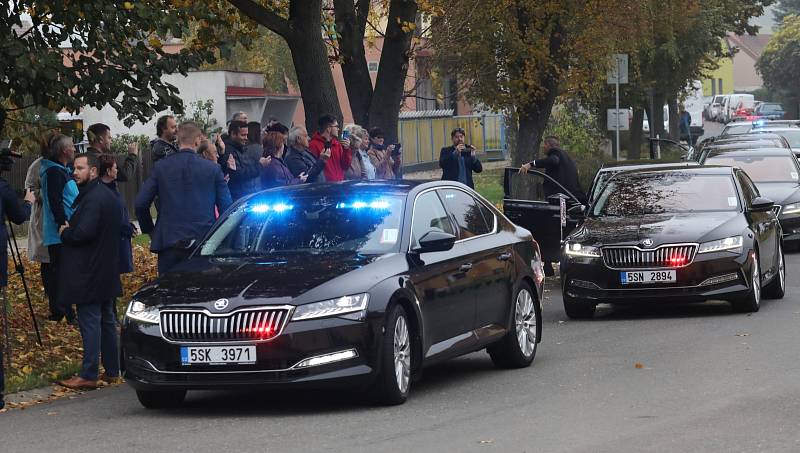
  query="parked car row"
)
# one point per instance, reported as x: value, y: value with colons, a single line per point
x: 726, y: 108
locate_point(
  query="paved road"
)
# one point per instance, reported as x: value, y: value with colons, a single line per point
x: 710, y: 381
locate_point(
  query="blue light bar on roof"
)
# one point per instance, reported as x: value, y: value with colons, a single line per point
x: 263, y: 208
x: 377, y: 204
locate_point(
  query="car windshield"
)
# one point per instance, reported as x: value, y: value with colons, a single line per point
x: 600, y: 183
x: 366, y: 224
x: 736, y: 129
x: 760, y: 168
x: 666, y: 192
x: 791, y: 136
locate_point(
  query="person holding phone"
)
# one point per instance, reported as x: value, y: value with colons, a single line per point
x: 326, y: 141
x: 459, y: 161
x: 277, y: 174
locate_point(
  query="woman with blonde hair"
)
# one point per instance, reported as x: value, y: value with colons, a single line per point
x: 361, y: 167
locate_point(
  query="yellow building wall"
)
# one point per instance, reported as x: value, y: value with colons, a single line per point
x: 723, y: 73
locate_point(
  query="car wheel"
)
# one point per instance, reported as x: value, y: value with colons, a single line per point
x: 578, y: 309
x: 777, y: 287
x: 752, y: 301
x: 394, y: 375
x: 161, y: 399
x: 517, y: 348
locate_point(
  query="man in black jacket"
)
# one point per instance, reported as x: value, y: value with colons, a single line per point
x: 300, y: 160
x: 560, y: 167
x: 18, y: 213
x: 459, y: 161
x: 100, y: 143
x: 164, y: 144
x: 246, y: 151
x: 90, y: 275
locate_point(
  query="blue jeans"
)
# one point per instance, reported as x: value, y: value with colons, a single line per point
x: 98, y: 325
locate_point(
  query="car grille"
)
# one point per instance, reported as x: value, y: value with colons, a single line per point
x: 634, y: 258
x: 243, y: 325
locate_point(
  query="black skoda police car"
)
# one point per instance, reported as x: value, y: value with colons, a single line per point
x: 357, y: 284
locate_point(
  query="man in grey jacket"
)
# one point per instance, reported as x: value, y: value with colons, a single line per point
x: 37, y: 251
x: 164, y: 144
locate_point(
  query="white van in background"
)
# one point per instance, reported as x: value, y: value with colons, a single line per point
x: 736, y: 102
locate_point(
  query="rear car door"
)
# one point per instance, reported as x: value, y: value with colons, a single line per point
x: 525, y: 204
x: 441, y: 279
x: 491, y: 256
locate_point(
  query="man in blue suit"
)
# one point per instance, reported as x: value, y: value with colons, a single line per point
x: 188, y: 188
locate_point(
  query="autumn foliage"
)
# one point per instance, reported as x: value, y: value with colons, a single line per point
x: 61, y: 353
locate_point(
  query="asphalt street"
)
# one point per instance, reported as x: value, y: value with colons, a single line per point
x: 636, y: 379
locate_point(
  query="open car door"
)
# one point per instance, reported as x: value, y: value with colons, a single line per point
x: 666, y: 149
x: 525, y: 204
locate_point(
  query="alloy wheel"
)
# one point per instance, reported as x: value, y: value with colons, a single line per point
x: 781, y: 270
x: 756, y: 282
x: 402, y: 354
x: 525, y: 320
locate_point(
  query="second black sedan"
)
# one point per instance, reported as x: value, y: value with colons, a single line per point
x: 356, y: 284
x: 776, y: 173
x: 680, y: 235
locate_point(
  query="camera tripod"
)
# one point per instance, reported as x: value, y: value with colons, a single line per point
x: 20, y: 269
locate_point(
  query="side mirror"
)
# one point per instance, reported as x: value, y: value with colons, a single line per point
x: 761, y: 204
x: 577, y: 212
x: 184, y: 244
x: 435, y: 241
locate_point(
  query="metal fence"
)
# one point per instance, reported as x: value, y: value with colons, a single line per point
x: 423, y: 138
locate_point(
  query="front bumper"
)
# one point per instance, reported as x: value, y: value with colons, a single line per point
x: 713, y: 276
x: 151, y: 363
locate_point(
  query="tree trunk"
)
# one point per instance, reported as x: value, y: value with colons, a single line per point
x: 350, y: 24
x: 674, y: 120
x: 303, y: 33
x: 533, y: 120
x: 656, y: 120
x: 384, y: 110
x: 636, y: 134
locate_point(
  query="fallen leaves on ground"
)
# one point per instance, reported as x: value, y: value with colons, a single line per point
x: 638, y: 365
x: 61, y: 353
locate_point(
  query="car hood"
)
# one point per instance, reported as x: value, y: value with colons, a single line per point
x: 780, y: 192
x: 274, y: 280
x: 660, y: 228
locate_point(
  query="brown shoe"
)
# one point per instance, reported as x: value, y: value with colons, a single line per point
x: 110, y: 379
x: 78, y: 383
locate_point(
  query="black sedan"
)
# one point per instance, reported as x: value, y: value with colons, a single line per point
x: 680, y: 235
x: 776, y: 173
x: 355, y: 284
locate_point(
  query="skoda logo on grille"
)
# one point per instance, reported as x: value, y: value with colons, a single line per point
x: 647, y: 242
x: 221, y: 304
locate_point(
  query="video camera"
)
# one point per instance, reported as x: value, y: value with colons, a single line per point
x: 6, y: 154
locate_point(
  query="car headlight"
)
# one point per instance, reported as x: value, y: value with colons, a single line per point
x: 790, y: 209
x: 333, y: 307
x: 143, y: 313
x: 579, y: 250
x: 733, y: 243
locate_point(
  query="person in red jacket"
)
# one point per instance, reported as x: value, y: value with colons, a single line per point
x: 339, y: 154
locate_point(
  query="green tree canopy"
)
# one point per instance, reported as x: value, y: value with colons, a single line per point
x: 70, y: 54
x: 779, y: 64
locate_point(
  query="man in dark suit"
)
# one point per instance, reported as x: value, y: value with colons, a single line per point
x: 557, y: 165
x: 90, y: 275
x: 188, y: 188
x: 459, y: 161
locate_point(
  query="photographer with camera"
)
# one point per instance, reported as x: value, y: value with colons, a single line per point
x: 12, y: 209
x: 386, y: 159
x: 459, y: 161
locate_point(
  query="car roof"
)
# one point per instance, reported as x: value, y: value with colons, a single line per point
x: 758, y: 134
x: 393, y: 187
x: 766, y: 143
x: 775, y: 130
x: 694, y: 170
x: 752, y: 152
x: 643, y: 164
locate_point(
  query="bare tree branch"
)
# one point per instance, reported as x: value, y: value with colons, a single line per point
x: 264, y: 17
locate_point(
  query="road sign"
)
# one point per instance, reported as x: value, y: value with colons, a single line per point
x: 619, y: 69
x: 624, y: 119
